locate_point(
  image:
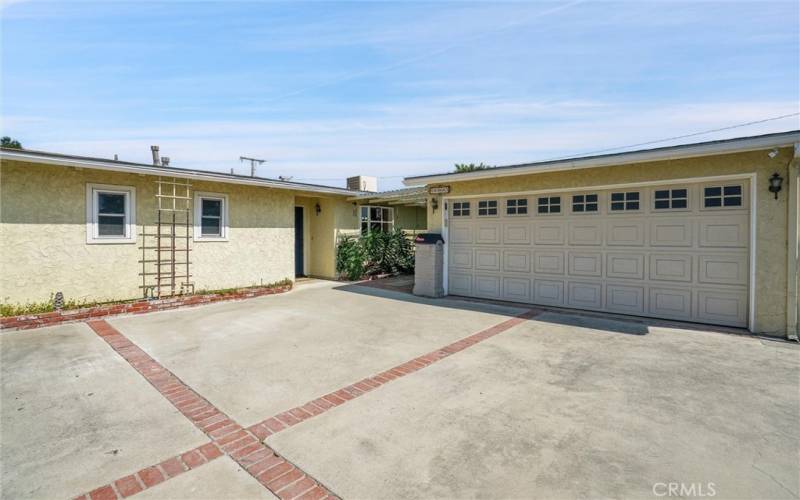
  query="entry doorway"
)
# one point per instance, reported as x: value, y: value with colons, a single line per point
x: 299, y: 247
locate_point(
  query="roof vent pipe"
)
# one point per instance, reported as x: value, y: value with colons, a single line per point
x: 165, y: 161
x: 156, y: 159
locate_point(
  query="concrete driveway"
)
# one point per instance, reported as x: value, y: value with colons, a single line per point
x: 358, y: 392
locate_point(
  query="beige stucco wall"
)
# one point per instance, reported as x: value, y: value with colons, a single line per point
x: 772, y: 274
x: 337, y: 216
x: 43, y: 245
x: 410, y: 217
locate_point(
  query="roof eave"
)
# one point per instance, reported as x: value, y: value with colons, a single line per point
x: 672, y: 153
x: 22, y: 155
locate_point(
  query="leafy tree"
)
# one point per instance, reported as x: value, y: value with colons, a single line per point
x: 470, y: 167
x: 8, y: 142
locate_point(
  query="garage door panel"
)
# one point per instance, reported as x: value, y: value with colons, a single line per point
x: 584, y: 295
x: 548, y: 292
x: 671, y: 233
x: 459, y: 283
x: 724, y: 308
x: 625, y: 233
x: 487, y: 286
x: 487, y: 259
x: 671, y: 267
x: 585, y: 264
x: 516, y: 233
x: 625, y: 299
x: 548, y: 262
x: 728, y: 269
x: 674, y: 303
x: 625, y: 265
x: 548, y: 233
x: 586, y: 233
x: 516, y: 261
x: 517, y: 289
x: 487, y: 233
x: 460, y: 257
x: 460, y: 233
x: 724, y: 232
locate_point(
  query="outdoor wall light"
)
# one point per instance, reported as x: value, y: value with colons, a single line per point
x: 317, y: 209
x: 775, y: 184
x: 434, y: 204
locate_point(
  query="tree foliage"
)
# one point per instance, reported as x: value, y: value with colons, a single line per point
x: 470, y: 167
x: 374, y: 253
x: 8, y: 142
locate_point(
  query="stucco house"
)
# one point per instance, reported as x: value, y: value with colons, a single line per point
x: 704, y: 232
x: 89, y: 227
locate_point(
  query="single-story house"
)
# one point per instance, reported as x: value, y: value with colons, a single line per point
x: 703, y: 232
x: 98, y: 229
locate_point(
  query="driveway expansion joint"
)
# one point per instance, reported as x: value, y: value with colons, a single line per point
x: 246, y: 446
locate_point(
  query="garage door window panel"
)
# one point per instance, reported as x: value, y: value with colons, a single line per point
x: 718, y: 197
x: 548, y: 205
x: 487, y: 208
x: 517, y: 206
x: 626, y: 201
x: 671, y: 199
x: 585, y: 203
x: 461, y: 209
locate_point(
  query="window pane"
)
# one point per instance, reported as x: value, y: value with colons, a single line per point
x: 375, y: 226
x: 678, y: 203
x: 713, y: 202
x: 554, y: 209
x: 209, y: 226
x: 733, y: 201
x: 387, y: 215
x: 632, y: 196
x: 577, y: 208
x: 364, y: 227
x: 110, y: 203
x: 212, y: 207
x: 591, y: 207
x: 617, y: 206
x: 111, y: 225
x: 591, y: 197
x: 660, y: 195
x: 578, y: 198
x: 522, y: 210
x: 662, y: 204
x: 713, y: 191
x: 679, y: 193
x: 374, y: 213
x: 632, y: 205
x: 733, y: 190
x: 523, y: 202
x: 364, y: 213
x: 542, y: 201
x: 617, y: 196
x: 493, y: 204
x: 511, y: 203
x: 543, y: 209
x: 555, y: 199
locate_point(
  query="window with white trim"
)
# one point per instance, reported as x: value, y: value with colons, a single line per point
x: 722, y: 196
x: 582, y: 203
x: 210, y: 217
x: 110, y: 214
x: 375, y: 218
x: 517, y: 207
x: 625, y: 201
x: 461, y: 209
x: 670, y: 198
x: 487, y: 207
x: 549, y: 205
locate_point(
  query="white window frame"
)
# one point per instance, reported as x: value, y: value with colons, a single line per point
x: 369, y: 220
x: 513, y: 207
x: 641, y: 202
x: 584, y: 203
x: 461, y: 208
x: 92, y: 227
x: 549, y: 204
x: 198, y: 214
x: 487, y: 208
x: 722, y: 196
x: 671, y: 198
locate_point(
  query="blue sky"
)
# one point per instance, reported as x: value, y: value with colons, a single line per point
x: 324, y: 90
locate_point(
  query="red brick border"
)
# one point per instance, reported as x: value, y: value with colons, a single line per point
x: 274, y: 472
x: 320, y: 405
x: 28, y: 321
x: 155, y: 474
x: 245, y: 446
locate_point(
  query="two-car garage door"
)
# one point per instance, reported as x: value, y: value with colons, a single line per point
x: 666, y: 251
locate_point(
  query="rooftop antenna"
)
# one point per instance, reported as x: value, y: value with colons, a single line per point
x: 253, y: 162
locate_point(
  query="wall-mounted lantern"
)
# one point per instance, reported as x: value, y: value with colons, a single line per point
x: 317, y: 209
x: 434, y: 204
x: 775, y: 184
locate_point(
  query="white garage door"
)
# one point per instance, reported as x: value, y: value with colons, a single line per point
x: 677, y: 252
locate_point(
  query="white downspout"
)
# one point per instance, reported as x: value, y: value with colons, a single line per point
x: 793, y: 259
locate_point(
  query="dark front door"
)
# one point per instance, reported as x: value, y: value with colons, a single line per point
x: 298, y: 242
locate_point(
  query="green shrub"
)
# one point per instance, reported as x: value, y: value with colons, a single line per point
x: 375, y: 253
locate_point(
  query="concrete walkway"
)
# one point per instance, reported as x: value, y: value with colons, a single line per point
x: 360, y: 392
